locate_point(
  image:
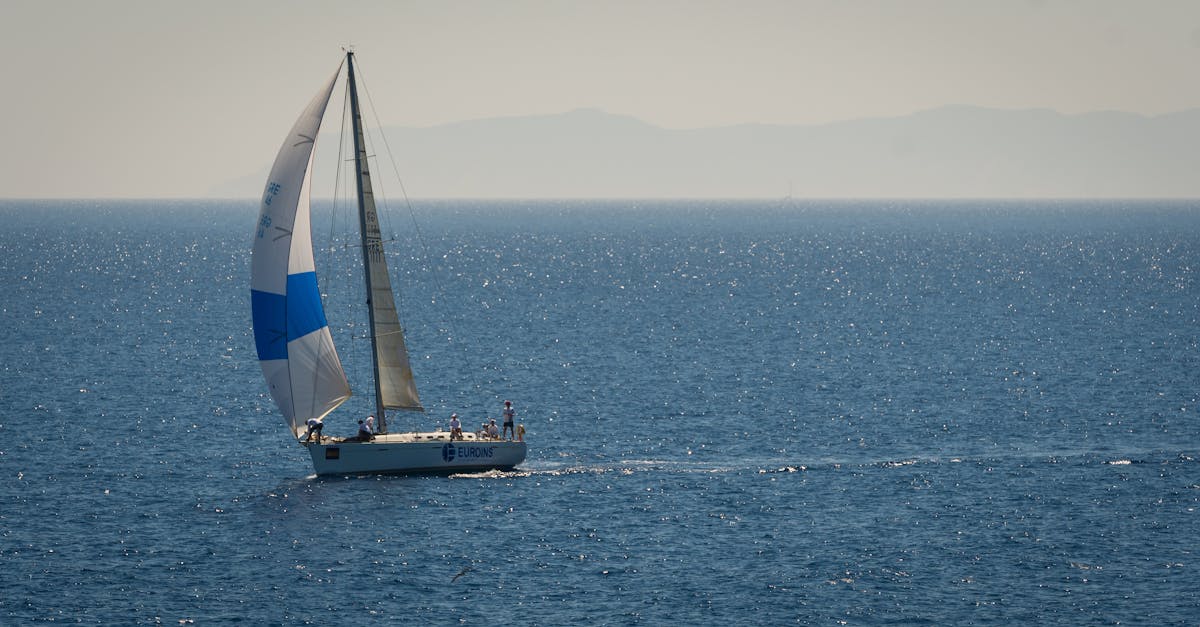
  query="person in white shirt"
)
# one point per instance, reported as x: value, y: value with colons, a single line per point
x: 455, y: 428
x: 364, y: 432
x: 509, y: 430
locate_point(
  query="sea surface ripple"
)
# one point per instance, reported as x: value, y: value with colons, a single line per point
x: 845, y: 412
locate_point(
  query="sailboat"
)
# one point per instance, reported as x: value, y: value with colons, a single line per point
x: 292, y: 336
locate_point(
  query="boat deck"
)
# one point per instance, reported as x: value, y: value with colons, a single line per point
x: 413, y: 436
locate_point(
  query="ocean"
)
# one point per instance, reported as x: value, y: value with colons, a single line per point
x: 809, y: 412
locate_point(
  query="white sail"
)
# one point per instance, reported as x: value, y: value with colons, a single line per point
x: 294, y: 346
x: 395, y: 387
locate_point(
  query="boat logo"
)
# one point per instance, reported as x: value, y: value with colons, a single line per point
x: 451, y: 452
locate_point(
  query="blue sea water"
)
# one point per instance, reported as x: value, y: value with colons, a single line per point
x: 755, y: 413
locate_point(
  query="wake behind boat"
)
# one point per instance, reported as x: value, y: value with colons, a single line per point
x: 291, y: 333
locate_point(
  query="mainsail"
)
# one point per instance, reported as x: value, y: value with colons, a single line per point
x: 395, y: 388
x: 294, y: 346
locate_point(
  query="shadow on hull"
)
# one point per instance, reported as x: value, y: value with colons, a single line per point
x: 437, y: 457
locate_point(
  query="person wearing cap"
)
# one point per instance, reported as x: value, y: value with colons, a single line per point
x: 314, y: 426
x: 493, y: 433
x: 509, y: 430
x: 455, y: 427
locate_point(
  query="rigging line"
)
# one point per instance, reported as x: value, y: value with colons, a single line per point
x: 339, y: 209
x: 322, y: 254
x: 327, y: 252
x: 438, y: 288
x: 334, y: 205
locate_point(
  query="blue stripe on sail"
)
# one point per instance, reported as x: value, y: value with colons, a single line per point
x: 305, y: 313
x: 270, y: 312
x: 279, y: 319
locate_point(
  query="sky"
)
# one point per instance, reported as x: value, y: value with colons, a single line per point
x: 165, y: 98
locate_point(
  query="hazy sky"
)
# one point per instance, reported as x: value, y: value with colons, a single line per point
x: 159, y: 98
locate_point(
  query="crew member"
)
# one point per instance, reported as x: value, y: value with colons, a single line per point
x: 314, y: 426
x: 509, y: 431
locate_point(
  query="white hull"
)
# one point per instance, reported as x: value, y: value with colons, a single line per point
x: 415, y: 453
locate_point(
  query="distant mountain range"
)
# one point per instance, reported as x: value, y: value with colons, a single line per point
x: 953, y: 152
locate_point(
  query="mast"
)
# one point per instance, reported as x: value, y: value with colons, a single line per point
x: 368, y: 222
x: 394, y: 385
